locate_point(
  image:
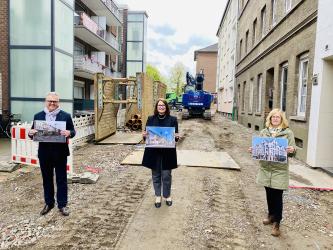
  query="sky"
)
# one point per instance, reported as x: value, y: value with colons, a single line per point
x: 176, y: 28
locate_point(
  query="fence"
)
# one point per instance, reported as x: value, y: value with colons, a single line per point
x: 24, y: 150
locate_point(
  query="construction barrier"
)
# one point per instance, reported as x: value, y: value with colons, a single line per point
x: 25, y: 151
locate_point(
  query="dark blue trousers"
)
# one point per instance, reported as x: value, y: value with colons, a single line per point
x: 48, y: 164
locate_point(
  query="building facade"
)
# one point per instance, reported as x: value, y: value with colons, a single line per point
x: 275, y: 53
x: 206, y: 60
x: 320, y: 141
x: 226, y: 58
x: 98, y: 28
x: 40, y: 54
x: 136, y: 45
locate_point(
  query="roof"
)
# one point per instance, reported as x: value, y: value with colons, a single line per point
x: 223, y: 16
x: 210, y: 49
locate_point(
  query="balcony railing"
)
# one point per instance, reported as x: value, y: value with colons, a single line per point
x: 86, y: 21
x: 113, y: 8
x: 112, y: 40
x: 87, y: 64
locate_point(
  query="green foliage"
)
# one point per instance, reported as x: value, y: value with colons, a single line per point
x: 154, y: 73
x: 177, y: 78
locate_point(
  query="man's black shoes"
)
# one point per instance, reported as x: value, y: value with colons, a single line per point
x: 46, y: 209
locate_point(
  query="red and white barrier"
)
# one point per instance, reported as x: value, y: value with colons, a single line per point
x: 25, y: 150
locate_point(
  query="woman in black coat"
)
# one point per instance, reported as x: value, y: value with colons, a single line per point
x: 161, y: 160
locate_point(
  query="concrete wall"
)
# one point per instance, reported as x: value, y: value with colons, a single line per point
x: 321, y: 116
x: 207, y: 61
x: 292, y: 36
x: 226, y: 61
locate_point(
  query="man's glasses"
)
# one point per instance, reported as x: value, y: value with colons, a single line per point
x: 49, y: 101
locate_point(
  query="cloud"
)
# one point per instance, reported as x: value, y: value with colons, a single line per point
x: 166, y: 46
x: 165, y: 29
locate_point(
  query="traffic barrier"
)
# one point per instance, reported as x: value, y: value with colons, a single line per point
x: 25, y: 151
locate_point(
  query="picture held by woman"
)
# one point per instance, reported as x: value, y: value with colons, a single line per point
x: 161, y: 160
x: 274, y: 176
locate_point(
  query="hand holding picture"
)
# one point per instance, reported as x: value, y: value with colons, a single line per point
x: 66, y: 133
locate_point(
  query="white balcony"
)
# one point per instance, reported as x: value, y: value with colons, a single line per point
x: 86, y: 67
x: 89, y: 31
x: 105, y: 8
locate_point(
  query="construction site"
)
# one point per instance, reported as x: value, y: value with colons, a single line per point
x: 216, y: 202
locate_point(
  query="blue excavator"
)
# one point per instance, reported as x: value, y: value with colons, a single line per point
x: 196, y: 102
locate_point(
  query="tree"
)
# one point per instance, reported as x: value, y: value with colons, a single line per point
x: 177, y: 77
x: 154, y: 73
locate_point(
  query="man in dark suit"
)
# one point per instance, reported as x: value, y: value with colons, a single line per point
x: 53, y: 156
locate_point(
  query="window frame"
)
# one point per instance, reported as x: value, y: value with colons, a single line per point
x: 284, y: 70
x: 287, y: 5
x: 304, y: 59
x: 259, y: 93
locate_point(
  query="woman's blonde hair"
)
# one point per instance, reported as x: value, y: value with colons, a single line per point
x: 284, y: 121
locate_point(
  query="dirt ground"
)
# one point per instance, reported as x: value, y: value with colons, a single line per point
x: 213, y: 208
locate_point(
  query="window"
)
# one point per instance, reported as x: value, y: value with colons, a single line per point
x: 283, y: 87
x: 240, y: 49
x: 288, y: 5
x: 243, y: 96
x: 63, y: 27
x: 78, y: 49
x: 78, y: 90
x: 254, y: 30
x: 251, y: 96
x: 259, y: 87
x: 63, y: 75
x: 273, y: 12
x: 246, y: 41
x: 263, y: 21
x: 135, y: 31
x: 302, y: 85
x: 30, y: 72
x: 134, y: 51
x: 30, y: 22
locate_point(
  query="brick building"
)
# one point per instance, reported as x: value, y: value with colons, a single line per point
x: 4, y: 91
x: 275, y: 51
x: 206, y: 59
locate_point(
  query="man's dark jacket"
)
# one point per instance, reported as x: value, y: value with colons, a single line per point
x: 60, y: 149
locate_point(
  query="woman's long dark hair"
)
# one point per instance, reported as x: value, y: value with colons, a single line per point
x: 167, y: 109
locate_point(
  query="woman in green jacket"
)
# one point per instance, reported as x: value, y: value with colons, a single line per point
x: 274, y: 176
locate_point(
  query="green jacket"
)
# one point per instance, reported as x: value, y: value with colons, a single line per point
x: 274, y: 174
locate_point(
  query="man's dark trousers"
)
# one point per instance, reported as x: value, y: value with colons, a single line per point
x: 48, y: 163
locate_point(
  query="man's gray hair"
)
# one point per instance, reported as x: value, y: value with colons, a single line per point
x: 53, y: 93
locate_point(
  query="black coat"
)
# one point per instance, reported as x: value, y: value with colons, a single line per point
x: 58, y: 149
x: 152, y: 156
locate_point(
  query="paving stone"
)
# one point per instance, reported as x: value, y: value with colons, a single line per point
x: 8, y: 166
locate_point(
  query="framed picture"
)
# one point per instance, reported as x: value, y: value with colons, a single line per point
x: 160, y: 137
x: 270, y: 149
x: 49, y: 131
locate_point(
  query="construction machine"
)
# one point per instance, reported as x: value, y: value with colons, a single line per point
x: 196, y: 102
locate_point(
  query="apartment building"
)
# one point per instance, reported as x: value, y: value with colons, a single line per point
x: 320, y: 142
x: 275, y: 57
x: 40, y: 36
x: 226, y: 59
x: 98, y: 29
x: 206, y: 60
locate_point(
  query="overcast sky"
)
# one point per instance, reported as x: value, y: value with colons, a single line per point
x: 176, y: 28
